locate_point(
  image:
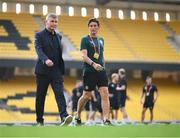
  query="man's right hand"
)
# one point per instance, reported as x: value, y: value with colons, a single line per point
x: 49, y: 63
x: 97, y: 67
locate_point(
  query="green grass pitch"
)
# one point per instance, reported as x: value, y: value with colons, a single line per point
x: 124, y: 131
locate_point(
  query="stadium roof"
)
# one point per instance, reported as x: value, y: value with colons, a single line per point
x: 100, y: 2
x: 176, y: 2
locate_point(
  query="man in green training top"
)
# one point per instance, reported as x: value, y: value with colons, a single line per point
x: 94, y: 74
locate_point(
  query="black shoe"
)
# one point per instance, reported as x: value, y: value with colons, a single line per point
x: 107, y: 122
x: 77, y: 120
x: 67, y: 120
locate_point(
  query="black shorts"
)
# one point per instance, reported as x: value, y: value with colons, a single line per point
x: 87, y: 106
x: 74, y: 106
x: 122, y: 100
x: 93, y: 79
x: 149, y: 105
x: 114, y: 105
x: 74, y: 109
x: 96, y: 106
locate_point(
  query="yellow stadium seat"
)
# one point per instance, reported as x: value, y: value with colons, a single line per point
x: 26, y: 26
x: 165, y: 108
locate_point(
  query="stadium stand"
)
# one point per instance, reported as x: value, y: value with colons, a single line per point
x: 17, y: 36
x: 76, y: 27
x: 166, y: 106
x: 146, y: 39
x: 19, y: 100
x: 175, y: 26
x: 69, y: 83
x: 124, y: 40
x: 3, y: 32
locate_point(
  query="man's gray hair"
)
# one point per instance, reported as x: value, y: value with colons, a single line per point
x: 51, y: 15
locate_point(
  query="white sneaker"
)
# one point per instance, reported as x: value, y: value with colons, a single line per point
x: 126, y: 121
x: 90, y: 123
x: 115, y: 122
x: 68, y: 119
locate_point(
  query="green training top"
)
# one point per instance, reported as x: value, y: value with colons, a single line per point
x: 88, y: 44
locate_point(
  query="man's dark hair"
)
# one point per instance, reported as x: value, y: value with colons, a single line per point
x: 93, y: 20
x: 122, y: 71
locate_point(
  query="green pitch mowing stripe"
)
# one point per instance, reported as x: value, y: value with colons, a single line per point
x: 127, y: 131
